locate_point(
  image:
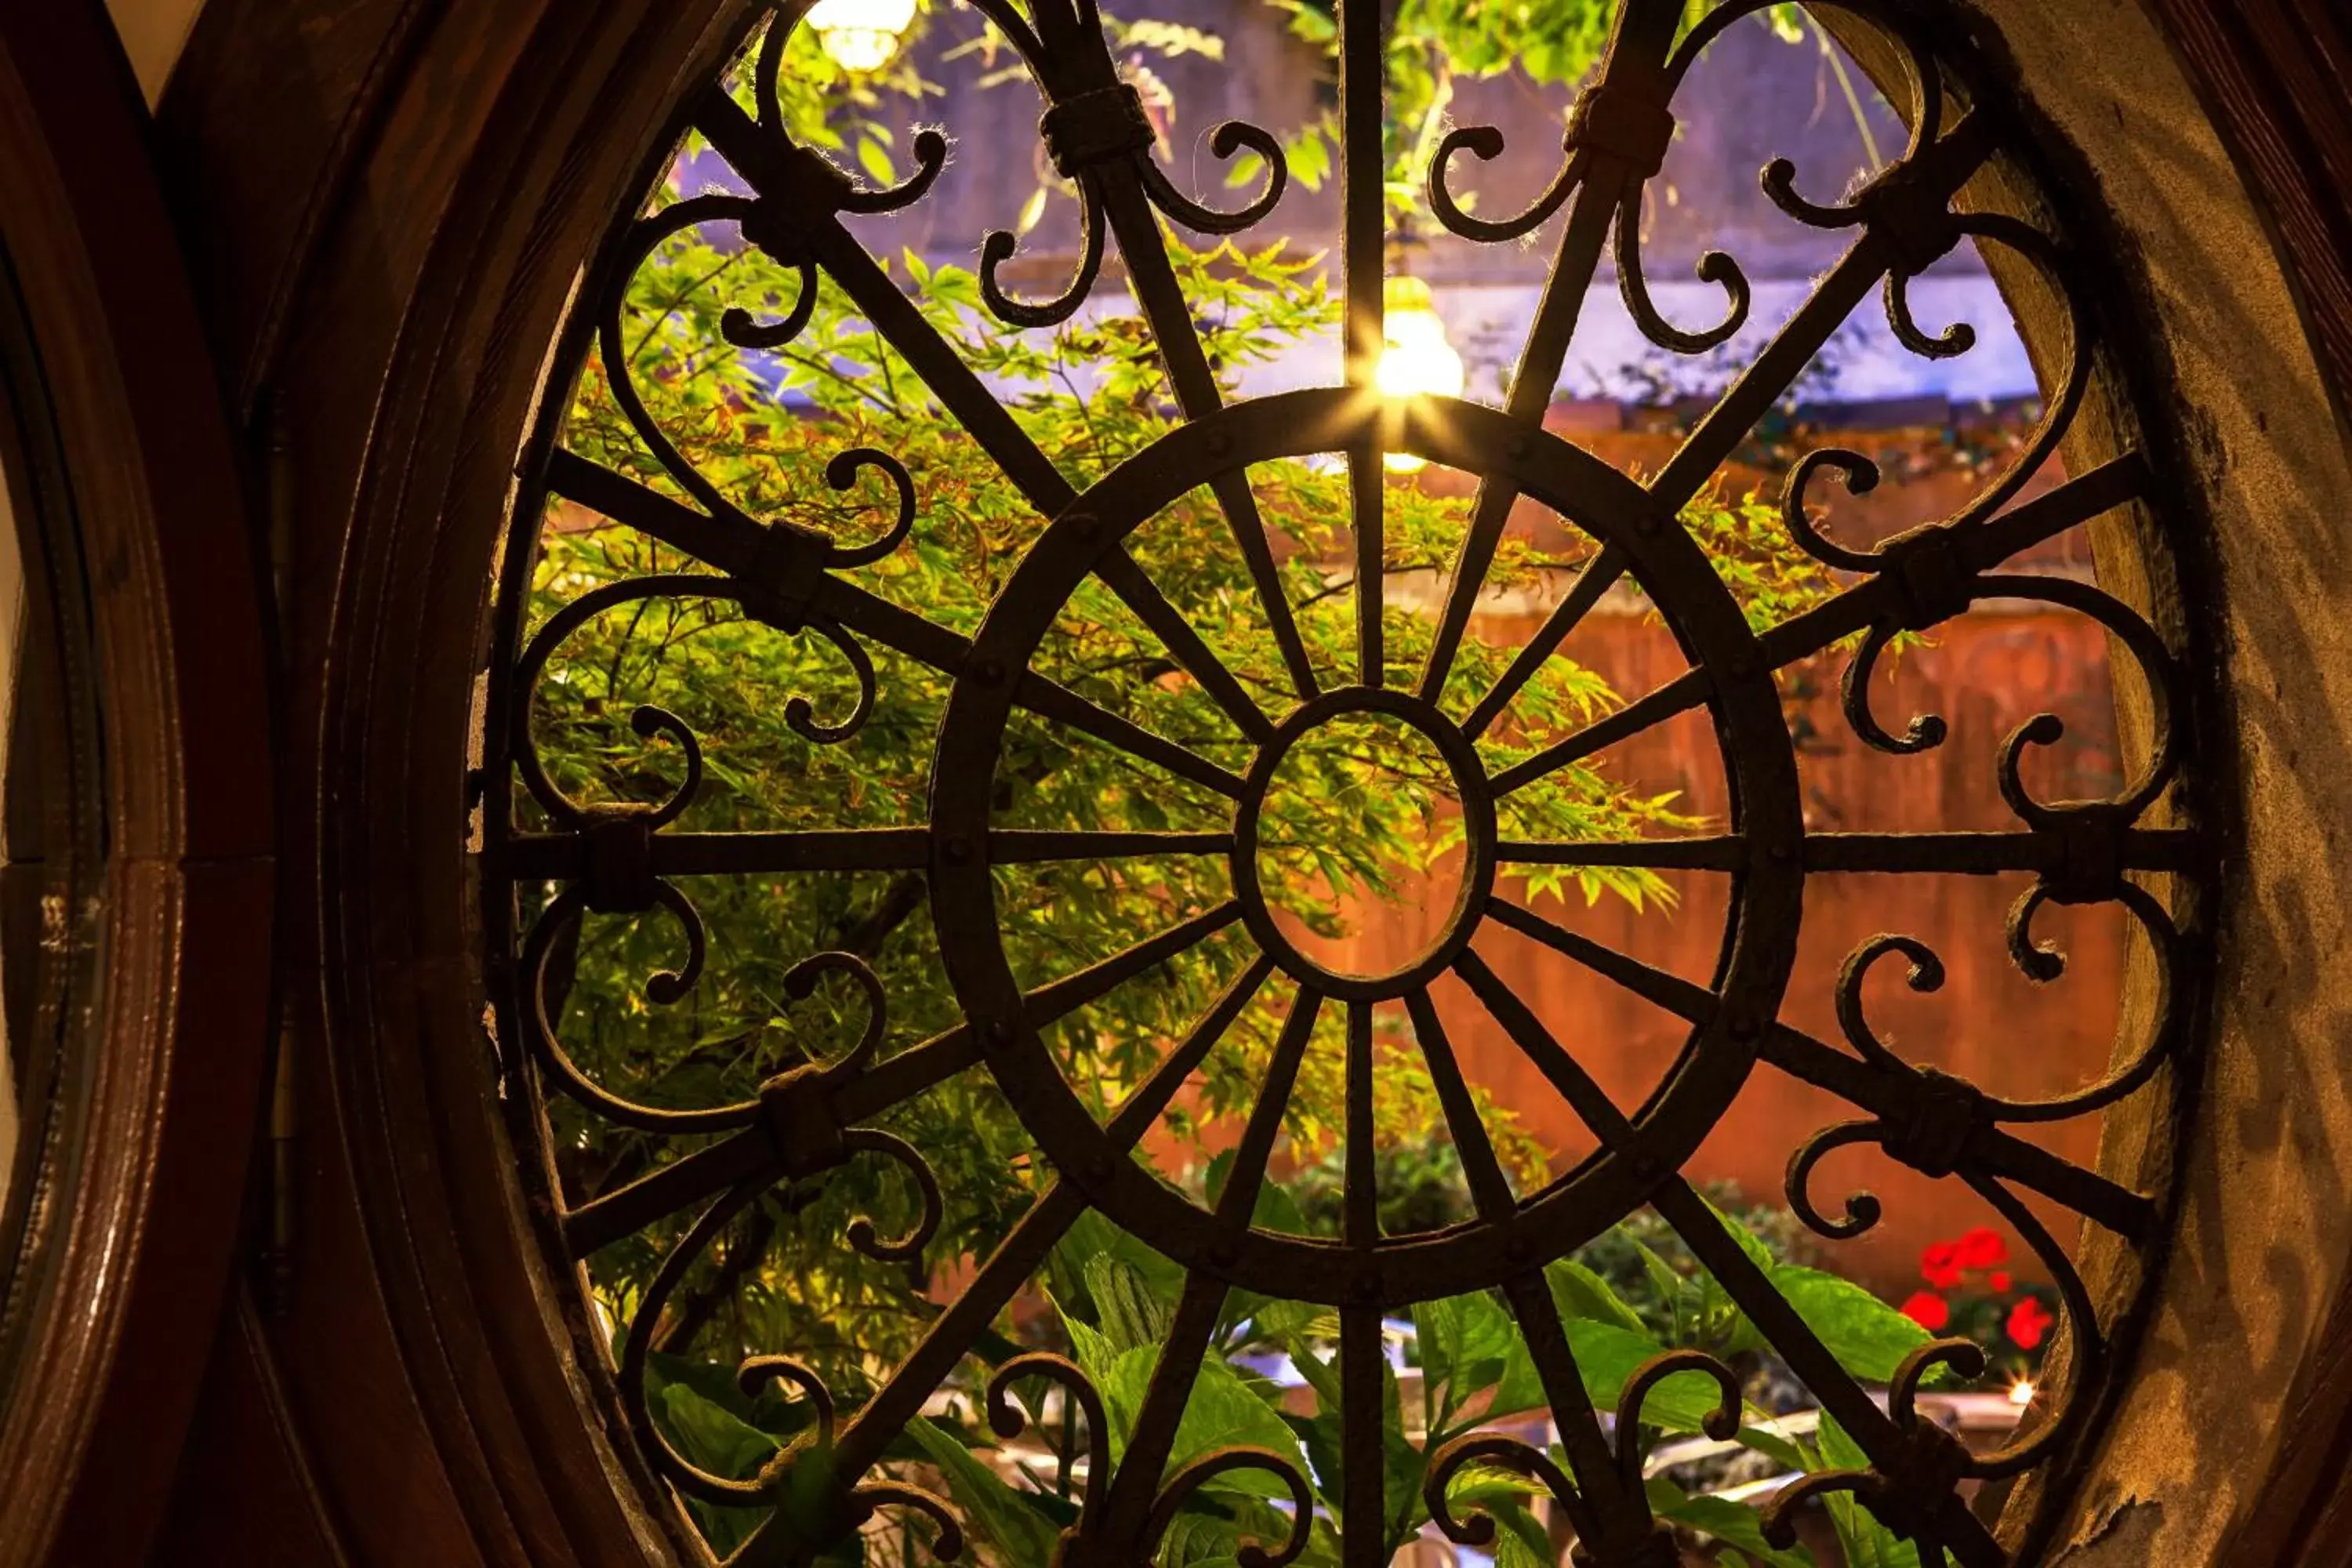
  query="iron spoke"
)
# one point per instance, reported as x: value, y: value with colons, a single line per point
x: 1589, y: 1458
x: 1490, y: 1189
x: 1016, y: 1258
x: 1363, y: 224
x: 732, y: 544
x: 1137, y: 1485
x: 1853, y: 610
x: 1727, y: 852
x: 552, y: 856
x: 1721, y: 1255
x: 1984, y: 854
x: 697, y: 1178
x: 960, y: 389
x: 1561, y: 1070
x: 1677, y: 696
x: 1239, y: 1199
x: 1027, y: 846
x: 1142, y: 595
x: 1363, y: 1458
x: 890, y: 1082
x: 1599, y: 574
x: 941, y: 1057
x: 2119, y: 1208
x: 1143, y: 245
x: 2099, y: 1198
x: 947, y: 652
x: 1367, y: 502
x: 899, y: 321
x: 1639, y: 46
x: 1360, y: 1196
x: 1813, y: 1362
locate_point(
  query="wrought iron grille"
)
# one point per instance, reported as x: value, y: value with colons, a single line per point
x: 551, y: 859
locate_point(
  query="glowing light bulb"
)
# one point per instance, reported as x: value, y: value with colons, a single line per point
x: 2020, y: 1393
x: 861, y: 34
x: 1416, y: 361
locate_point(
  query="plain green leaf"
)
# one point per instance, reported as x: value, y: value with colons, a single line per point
x: 1579, y: 1292
x: 1869, y: 1338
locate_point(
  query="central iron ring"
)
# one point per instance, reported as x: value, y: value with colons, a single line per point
x: 1759, y: 937
x: 1471, y: 788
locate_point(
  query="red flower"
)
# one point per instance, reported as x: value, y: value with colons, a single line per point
x: 2028, y: 1321
x: 1941, y: 1265
x: 1982, y: 1248
x: 1927, y: 1310
x: 1998, y: 1281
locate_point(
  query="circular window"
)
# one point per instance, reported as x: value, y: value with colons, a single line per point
x: 1015, y: 844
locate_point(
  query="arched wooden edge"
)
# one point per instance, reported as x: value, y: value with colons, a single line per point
x: 153, y: 1170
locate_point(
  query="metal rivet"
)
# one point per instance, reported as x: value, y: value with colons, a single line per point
x: 1219, y: 443
x: 958, y: 852
x: 988, y: 672
x: 1520, y: 447
x: 1646, y: 525
x: 997, y: 1031
x: 1647, y: 1166
x: 1085, y: 525
x: 1223, y: 1254
x: 1742, y: 666
x: 1365, y: 1286
x: 1743, y: 1025
x: 1780, y: 854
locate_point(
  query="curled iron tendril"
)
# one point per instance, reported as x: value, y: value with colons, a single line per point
x: 841, y: 472
x: 1715, y: 267
x: 1922, y: 75
x: 1485, y: 142
x: 647, y: 721
x: 1928, y: 1463
x: 907, y: 1246
x: 1492, y: 1449
x: 758, y: 1370
x: 998, y: 247
x: 1228, y: 138
x: 2086, y: 1341
x: 637, y: 1346
x: 1007, y: 1420
x: 1925, y: 730
x: 1972, y: 1106
x: 1207, y: 1467
x: 1497, y: 1451
x: 931, y: 143
x: 799, y: 712
x: 665, y: 986
x: 691, y: 1479
x: 1860, y: 475
x: 1933, y: 586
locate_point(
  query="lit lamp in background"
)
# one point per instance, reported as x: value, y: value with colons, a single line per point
x: 861, y: 34
x: 1415, y: 359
